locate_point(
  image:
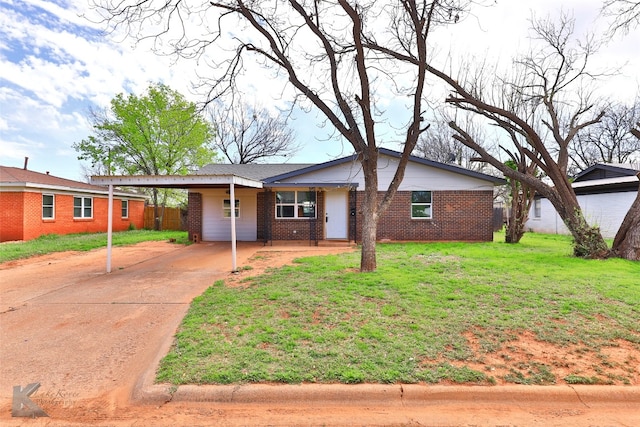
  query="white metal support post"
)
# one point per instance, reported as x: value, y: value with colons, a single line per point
x: 109, y: 228
x: 232, y: 194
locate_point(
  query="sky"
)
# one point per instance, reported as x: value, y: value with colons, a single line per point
x: 55, y: 64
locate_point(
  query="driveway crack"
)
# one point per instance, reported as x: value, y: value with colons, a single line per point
x: 579, y: 397
x: 10, y: 309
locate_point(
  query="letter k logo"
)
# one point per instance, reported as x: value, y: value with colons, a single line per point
x: 23, y: 406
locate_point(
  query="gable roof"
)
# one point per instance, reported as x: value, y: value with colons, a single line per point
x: 384, y: 151
x: 12, y: 177
x: 607, y: 178
x: 607, y: 171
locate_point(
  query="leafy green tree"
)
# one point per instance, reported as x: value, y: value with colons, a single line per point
x: 158, y: 133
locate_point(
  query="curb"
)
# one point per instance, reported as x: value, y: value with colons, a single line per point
x: 392, y: 395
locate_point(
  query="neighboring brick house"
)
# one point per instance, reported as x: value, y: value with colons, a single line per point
x: 605, y: 192
x: 435, y: 202
x: 33, y: 204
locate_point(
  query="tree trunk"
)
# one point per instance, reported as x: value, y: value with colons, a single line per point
x: 521, y: 199
x: 627, y: 241
x: 370, y: 209
x: 587, y: 240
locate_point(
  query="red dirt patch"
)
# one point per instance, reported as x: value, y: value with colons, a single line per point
x: 619, y: 364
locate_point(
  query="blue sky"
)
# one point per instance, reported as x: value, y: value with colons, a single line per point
x: 55, y: 63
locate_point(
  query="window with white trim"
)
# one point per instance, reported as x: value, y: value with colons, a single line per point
x: 82, y: 207
x: 48, y: 205
x: 125, y: 208
x: 537, y: 208
x: 421, y: 205
x: 295, y: 204
x: 226, y: 208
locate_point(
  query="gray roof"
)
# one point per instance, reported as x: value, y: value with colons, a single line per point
x: 256, y: 171
x: 607, y: 170
x: 385, y: 151
x: 273, y: 173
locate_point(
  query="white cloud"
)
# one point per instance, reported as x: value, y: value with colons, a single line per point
x: 16, y: 150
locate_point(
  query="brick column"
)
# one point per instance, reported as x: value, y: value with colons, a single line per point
x: 194, y: 215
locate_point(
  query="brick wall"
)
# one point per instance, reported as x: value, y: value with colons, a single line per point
x: 194, y: 216
x: 33, y: 225
x: 136, y: 213
x: 457, y: 216
x: 290, y: 229
x: 11, y: 214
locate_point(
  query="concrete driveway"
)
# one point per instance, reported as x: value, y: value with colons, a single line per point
x: 82, y: 333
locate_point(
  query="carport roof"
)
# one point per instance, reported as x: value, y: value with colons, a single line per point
x: 174, y: 181
x: 255, y: 171
x: 177, y: 181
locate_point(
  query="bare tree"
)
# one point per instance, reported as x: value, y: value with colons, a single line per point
x: 552, y: 82
x: 625, y: 13
x: 521, y: 197
x: 88, y: 170
x: 337, y: 55
x: 249, y: 134
x: 439, y: 144
x: 608, y: 141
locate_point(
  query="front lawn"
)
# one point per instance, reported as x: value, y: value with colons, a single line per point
x: 83, y: 242
x: 434, y: 312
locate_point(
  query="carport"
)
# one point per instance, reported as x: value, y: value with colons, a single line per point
x: 174, y: 181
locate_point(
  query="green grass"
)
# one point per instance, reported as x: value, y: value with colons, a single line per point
x: 322, y: 321
x: 82, y: 242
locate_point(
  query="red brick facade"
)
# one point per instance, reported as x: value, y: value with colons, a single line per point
x: 285, y: 228
x: 457, y: 216
x: 21, y: 215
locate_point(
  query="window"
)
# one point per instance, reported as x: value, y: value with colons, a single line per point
x: 82, y: 207
x: 537, y: 208
x: 421, y: 205
x: 47, y: 206
x: 226, y: 208
x: 125, y: 209
x: 295, y: 204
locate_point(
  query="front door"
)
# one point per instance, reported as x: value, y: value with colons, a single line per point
x: 336, y: 214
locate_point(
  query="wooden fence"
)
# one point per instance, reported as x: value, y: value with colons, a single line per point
x: 172, y: 218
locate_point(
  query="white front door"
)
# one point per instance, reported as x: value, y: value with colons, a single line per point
x: 336, y: 214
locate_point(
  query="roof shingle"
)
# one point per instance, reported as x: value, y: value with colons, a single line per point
x: 18, y: 176
x: 255, y: 171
